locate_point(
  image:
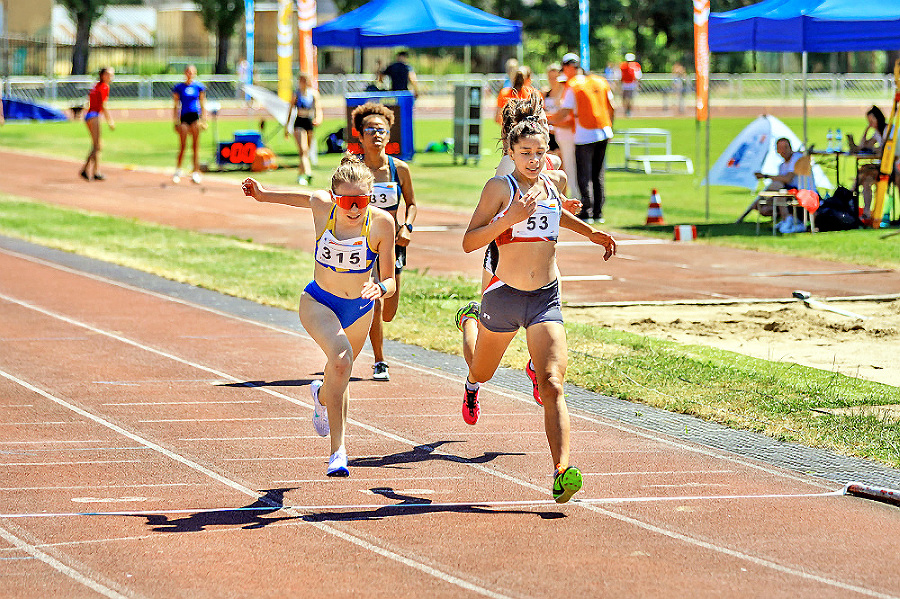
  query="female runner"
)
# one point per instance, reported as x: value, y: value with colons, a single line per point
x: 190, y: 118
x: 307, y: 110
x: 524, y: 291
x: 516, y: 111
x: 336, y: 307
x: 97, y: 106
x: 393, y: 184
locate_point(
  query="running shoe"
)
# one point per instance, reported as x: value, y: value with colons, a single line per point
x: 196, y: 178
x: 320, y: 412
x: 99, y: 177
x: 84, y: 175
x: 566, y: 482
x: 176, y: 178
x: 470, y: 408
x: 529, y: 370
x: 470, y: 310
x: 381, y: 372
x: 337, y: 463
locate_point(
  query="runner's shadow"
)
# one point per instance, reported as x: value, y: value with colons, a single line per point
x: 412, y: 506
x: 424, y: 453
x: 282, y: 383
x: 249, y: 517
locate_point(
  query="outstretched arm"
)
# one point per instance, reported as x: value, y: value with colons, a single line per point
x: 300, y: 199
x: 572, y: 223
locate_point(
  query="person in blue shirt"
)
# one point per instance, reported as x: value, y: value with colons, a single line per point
x: 189, y: 114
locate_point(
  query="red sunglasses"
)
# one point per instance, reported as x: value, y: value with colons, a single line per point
x: 348, y: 202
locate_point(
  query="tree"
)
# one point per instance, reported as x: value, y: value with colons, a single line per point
x: 84, y: 13
x: 221, y: 17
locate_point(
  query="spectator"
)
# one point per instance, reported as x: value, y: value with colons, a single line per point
x: 521, y: 88
x: 589, y: 98
x: 679, y: 85
x: 631, y: 75
x: 562, y: 135
x: 869, y: 144
x: 402, y: 75
x: 785, y: 179
x: 512, y: 65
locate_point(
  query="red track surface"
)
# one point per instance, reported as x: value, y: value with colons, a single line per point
x: 115, y: 399
x: 644, y: 270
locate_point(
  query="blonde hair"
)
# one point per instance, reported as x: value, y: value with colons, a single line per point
x: 354, y: 171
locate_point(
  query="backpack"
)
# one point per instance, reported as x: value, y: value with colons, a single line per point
x: 838, y: 212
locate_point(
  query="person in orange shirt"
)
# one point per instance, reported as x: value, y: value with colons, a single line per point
x: 96, y: 107
x: 521, y: 88
x: 631, y: 75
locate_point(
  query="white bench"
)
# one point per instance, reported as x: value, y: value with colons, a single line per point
x: 647, y: 161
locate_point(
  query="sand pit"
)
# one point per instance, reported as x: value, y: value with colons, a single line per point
x: 865, y: 348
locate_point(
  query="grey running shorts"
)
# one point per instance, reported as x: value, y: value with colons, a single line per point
x: 505, y: 309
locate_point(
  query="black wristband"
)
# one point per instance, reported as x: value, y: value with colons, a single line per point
x: 383, y: 289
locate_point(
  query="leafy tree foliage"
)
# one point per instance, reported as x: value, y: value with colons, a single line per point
x: 84, y: 13
x: 221, y: 17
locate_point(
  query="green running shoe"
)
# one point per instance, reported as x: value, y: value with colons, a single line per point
x: 470, y: 310
x: 566, y: 483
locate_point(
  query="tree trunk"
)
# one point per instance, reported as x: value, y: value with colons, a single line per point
x: 223, y: 47
x: 890, y: 58
x: 82, y: 43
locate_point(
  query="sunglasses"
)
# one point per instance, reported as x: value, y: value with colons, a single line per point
x: 375, y: 131
x: 348, y: 202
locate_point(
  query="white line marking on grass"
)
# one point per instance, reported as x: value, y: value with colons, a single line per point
x: 59, y: 566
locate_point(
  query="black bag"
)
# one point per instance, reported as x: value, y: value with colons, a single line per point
x: 334, y: 143
x: 838, y: 212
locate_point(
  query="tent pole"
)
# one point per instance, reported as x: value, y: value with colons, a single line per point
x: 805, y: 65
x: 708, y: 118
x: 467, y: 60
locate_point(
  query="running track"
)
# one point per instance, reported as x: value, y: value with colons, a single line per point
x: 117, y: 399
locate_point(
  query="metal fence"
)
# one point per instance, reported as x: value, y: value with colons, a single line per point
x: 654, y: 88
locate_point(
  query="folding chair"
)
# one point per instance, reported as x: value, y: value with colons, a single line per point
x: 788, y: 198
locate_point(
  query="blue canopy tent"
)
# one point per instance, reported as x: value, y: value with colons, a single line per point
x: 417, y: 23
x: 807, y: 26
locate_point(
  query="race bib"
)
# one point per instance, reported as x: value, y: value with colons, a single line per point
x: 348, y: 254
x: 543, y: 224
x: 385, y: 195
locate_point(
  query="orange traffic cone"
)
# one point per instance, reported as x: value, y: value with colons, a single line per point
x: 654, y: 212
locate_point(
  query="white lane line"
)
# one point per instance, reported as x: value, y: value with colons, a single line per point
x: 180, y: 403
x: 480, y: 467
x: 370, y: 480
x: 565, y: 278
x: 8, y: 464
x: 657, y: 473
x: 414, y: 561
x: 59, y: 566
x: 171, y: 420
x: 618, y: 242
x: 103, y: 487
x: 55, y: 442
x: 275, y: 438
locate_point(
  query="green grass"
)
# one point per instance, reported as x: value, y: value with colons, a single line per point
x: 743, y: 392
x: 438, y: 182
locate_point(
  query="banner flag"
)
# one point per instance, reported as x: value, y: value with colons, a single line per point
x: 250, y: 29
x: 584, y: 8
x: 284, y: 50
x: 701, y: 56
x: 306, y: 20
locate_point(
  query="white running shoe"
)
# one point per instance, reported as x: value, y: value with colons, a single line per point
x: 380, y: 372
x: 176, y: 178
x: 320, y: 412
x: 337, y: 464
x: 196, y: 178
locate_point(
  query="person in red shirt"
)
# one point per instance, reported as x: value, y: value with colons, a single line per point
x: 631, y: 75
x: 97, y: 106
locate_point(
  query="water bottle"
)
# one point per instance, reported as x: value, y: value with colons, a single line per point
x: 838, y: 141
x: 830, y: 138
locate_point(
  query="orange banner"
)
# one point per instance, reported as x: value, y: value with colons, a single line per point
x: 701, y: 56
x: 306, y: 20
